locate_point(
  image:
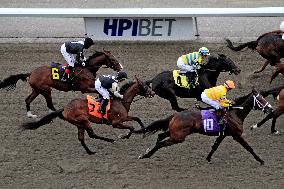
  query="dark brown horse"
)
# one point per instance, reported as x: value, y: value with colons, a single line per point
x: 41, y: 82
x: 270, y: 46
x: 279, y: 93
x: 76, y: 112
x: 181, y: 124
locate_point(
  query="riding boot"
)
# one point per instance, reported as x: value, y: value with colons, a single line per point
x: 220, y: 120
x: 102, y: 108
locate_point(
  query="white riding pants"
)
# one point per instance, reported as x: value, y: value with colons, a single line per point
x: 183, y: 66
x: 214, y: 103
x: 67, y: 56
x: 103, y: 91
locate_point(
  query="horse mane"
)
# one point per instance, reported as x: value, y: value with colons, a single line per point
x: 211, y: 62
x: 95, y: 54
x: 126, y: 86
x: 242, y: 99
x: 274, y: 91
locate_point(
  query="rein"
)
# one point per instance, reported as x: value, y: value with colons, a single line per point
x: 135, y: 100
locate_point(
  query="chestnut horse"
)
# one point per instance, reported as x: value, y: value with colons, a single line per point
x: 76, y: 113
x: 279, y: 93
x: 181, y: 124
x: 41, y: 82
x: 269, y: 45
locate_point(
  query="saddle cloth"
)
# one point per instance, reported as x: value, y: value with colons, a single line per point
x: 93, y: 106
x: 210, y: 123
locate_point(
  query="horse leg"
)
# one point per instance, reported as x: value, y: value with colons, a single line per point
x: 269, y: 116
x: 263, y: 67
x: 169, y: 94
x: 215, y: 146
x: 137, y: 119
x: 47, y: 95
x: 123, y: 126
x: 162, y: 136
x: 28, y: 101
x: 277, y: 71
x: 158, y: 145
x: 92, y: 134
x: 276, y: 115
x: 244, y: 143
x: 81, y: 137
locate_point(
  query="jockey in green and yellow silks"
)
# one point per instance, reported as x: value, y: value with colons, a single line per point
x: 192, y: 62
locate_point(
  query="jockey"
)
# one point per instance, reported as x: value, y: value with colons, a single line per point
x: 106, y: 83
x: 69, y: 48
x: 216, y: 97
x: 192, y: 62
x: 281, y: 30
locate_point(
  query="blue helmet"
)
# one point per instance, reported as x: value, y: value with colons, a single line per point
x: 204, y: 51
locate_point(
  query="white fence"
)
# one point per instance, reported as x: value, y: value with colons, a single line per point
x: 142, y: 23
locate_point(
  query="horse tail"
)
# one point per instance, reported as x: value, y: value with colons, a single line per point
x: 274, y: 92
x: 162, y: 124
x: 252, y: 45
x: 12, y: 80
x: 43, y: 121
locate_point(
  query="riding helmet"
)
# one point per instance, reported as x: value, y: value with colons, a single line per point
x: 230, y: 84
x: 121, y: 76
x: 88, y: 42
x: 204, y: 51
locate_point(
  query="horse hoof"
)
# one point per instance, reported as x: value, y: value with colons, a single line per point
x: 30, y: 115
x: 253, y: 127
x: 276, y: 133
x: 91, y: 153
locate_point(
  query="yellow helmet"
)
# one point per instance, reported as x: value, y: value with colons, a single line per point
x: 229, y: 84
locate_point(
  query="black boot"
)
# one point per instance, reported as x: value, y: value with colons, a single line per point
x: 102, y: 108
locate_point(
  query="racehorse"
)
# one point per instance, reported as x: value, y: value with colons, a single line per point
x: 279, y: 68
x: 181, y: 124
x: 164, y: 84
x: 279, y: 93
x: 76, y: 112
x: 42, y: 80
x: 269, y: 45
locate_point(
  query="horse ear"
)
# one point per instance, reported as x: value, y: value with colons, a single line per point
x: 136, y: 77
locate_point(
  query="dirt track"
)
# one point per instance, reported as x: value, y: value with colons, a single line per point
x: 52, y: 157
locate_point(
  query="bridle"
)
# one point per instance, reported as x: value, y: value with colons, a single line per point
x: 259, y: 104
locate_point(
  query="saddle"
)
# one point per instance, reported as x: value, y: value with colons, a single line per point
x: 181, y: 79
x: 93, y: 106
x: 58, y: 72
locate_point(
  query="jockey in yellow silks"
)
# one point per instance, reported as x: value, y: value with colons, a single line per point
x: 192, y: 62
x: 216, y: 97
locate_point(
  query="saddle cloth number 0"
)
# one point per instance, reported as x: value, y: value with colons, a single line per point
x: 208, y: 123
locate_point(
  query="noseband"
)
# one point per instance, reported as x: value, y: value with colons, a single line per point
x: 259, y: 104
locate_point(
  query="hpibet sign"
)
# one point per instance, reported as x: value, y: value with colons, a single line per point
x: 139, y: 28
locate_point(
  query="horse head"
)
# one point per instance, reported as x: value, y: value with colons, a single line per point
x: 260, y: 103
x: 144, y: 88
x: 222, y: 63
x: 103, y: 58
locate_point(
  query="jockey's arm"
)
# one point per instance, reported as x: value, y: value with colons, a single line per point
x: 115, y: 90
x: 224, y: 102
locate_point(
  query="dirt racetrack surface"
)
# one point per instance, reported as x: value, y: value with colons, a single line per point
x: 52, y: 156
